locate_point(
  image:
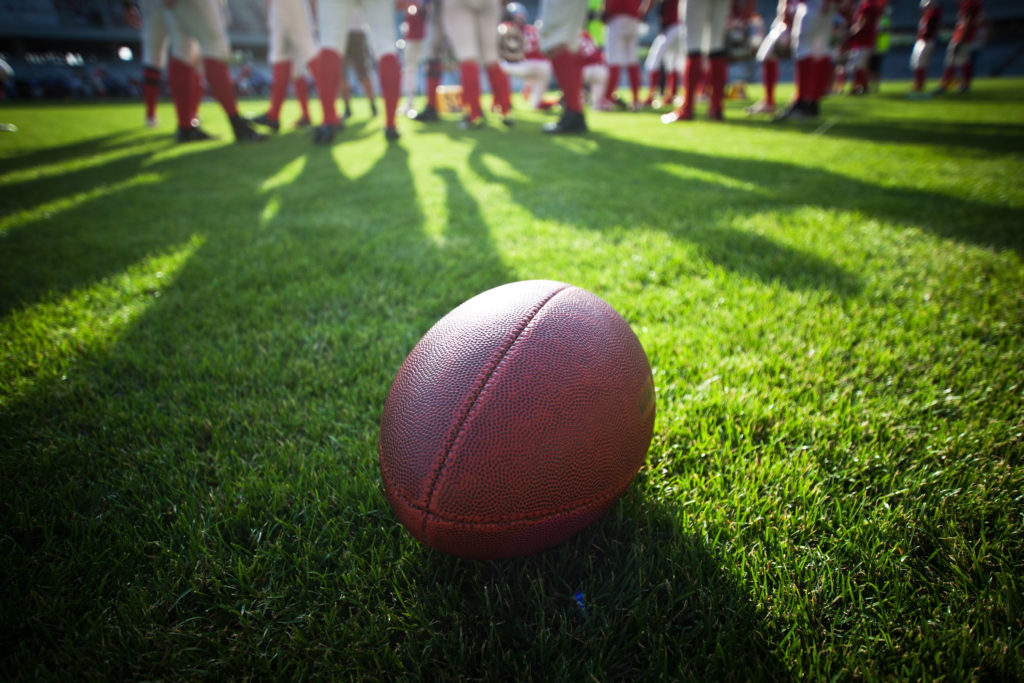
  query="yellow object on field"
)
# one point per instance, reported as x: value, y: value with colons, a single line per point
x: 449, y: 99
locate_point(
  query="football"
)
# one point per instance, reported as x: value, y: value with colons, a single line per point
x: 516, y: 421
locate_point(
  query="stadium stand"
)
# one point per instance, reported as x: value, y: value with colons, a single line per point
x: 69, y: 48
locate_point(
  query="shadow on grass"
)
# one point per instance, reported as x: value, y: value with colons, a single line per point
x: 980, y: 138
x: 631, y: 597
x: 692, y: 194
x: 235, y: 417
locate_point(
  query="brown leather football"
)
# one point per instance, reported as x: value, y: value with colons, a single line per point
x: 516, y: 421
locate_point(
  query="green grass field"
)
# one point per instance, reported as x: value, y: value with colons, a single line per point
x: 196, y: 342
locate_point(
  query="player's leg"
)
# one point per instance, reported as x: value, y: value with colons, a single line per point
x: 327, y: 66
x: 718, y: 67
x: 155, y: 45
x: 631, y: 44
x: 487, y: 21
x: 561, y: 22
x: 381, y: 34
x: 694, y: 13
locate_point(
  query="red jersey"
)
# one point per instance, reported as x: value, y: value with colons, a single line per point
x: 531, y: 43
x: 967, y: 21
x: 864, y: 32
x: 415, y: 23
x: 930, y: 23
x: 631, y: 8
x: 590, y: 53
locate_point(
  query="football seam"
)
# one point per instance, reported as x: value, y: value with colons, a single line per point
x: 468, y: 408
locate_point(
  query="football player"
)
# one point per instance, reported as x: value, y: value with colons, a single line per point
x: 924, y: 45
x: 335, y: 18
x: 521, y: 56
x: 958, y: 53
x: 812, y: 23
x: 668, y: 53
x: 705, y: 35
x: 560, y: 22
x: 292, y: 46
x: 622, y: 38
x: 202, y: 22
x: 862, y: 39
x: 595, y: 71
x: 472, y: 27
x: 776, y: 45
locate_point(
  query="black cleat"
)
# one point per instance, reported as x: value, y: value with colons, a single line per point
x: 193, y: 134
x: 265, y: 120
x: 468, y: 123
x: 324, y: 134
x: 244, y: 132
x: 391, y: 134
x: 373, y: 108
x: 428, y: 115
x: 799, y: 110
x: 570, y: 122
x: 304, y: 122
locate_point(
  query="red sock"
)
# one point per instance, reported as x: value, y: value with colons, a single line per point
x: 281, y: 73
x: 613, y: 82
x: 670, y: 84
x: 824, y: 72
x: 718, y: 72
x: 195, y: 92
x: 968, y: 73
x: 326, y: 68
x: 178, y: 78
x: 947, y: 77
x: 633, y: 73
x: 434, y: 72
x: 302, y: 95
x: 469, y: 71
x: 219, y: 77
x: 390, y: 73
x: 652, y: 84
x: 770, y: 75
x: 919, y: 76
x: 150, y: 90
x: 691, y: 80
x: 804, y: 78
x: 569, y: 74
x: 500, y: 88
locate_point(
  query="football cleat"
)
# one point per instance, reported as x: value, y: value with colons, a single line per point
x: 324, y: 134
x: 677, y: 114
x: 570, y: 122
x: 468, y: 123
x: 427, y: 115
x: 760, y: 108
x: 304, y: 122
x: 265, y: 120
x: 391, y: 134
x: 244, y: 132
x: 798, y: 110
x: 193, y: 134
x: 151, y: 122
